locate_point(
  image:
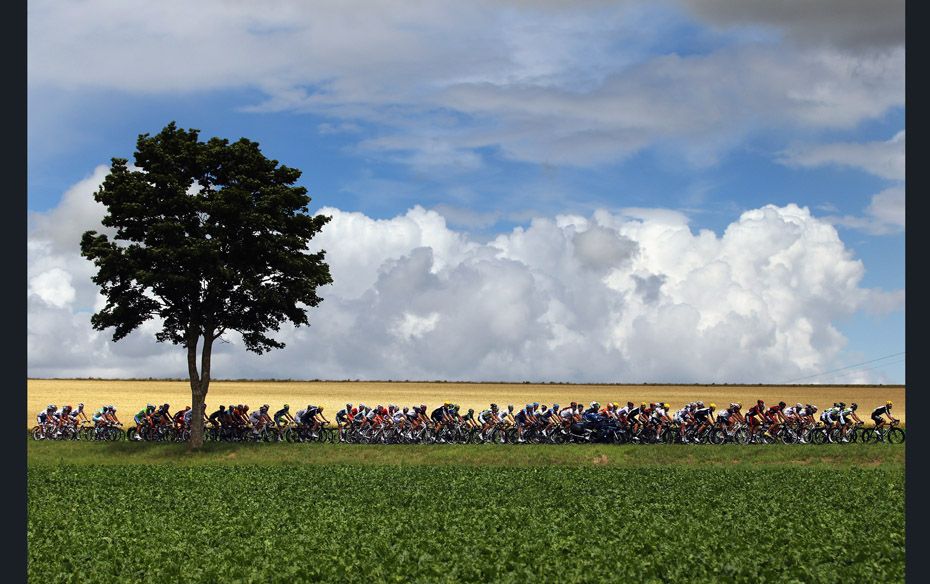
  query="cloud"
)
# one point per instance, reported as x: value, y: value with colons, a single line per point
x: 631, y: 296
x: 539, y: 83
x: 884, y: 159
x: 850, y: 24
x: 885, y: 214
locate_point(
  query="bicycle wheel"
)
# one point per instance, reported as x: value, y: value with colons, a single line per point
x: 866, y: 435
x: 817, y: 436
x: 741, y: 436
x: 38, y: 433
x: 895, y: 436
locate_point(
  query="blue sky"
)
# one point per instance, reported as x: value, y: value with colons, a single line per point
x: 493, y: 116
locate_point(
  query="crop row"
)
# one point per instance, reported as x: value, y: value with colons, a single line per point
x: 430, y: 524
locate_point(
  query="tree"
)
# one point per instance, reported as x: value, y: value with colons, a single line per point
x: 209, y: 237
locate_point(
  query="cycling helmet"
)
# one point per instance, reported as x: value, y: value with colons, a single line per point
x: 712, y: 406
x: 888, y: 403
x: 798, y: 406
x: 842, y: 404
x: 595, y: 405
x: 165, y: 406
x: 321, y: 409
x: 781, y: 404
x: 854, y: 406
x: 81, y: 404
x: 493, y: 406
x: 50, y: 407
x: 642, y: 405
x: 472, y: 410
x: 222, y: 408
x: 406, y: 409
x: 574, y: 404
x: 309, y: 407
x: 629, y: 404
x: 555, y: 406
x: 150, y: 406
x: 535, y: 404
x: 362, y: 406
x: 510, y: 407
x: 760, y: 402
x: 738, y: 405
x: 700, y: 404
x: 285, y: 407
x: 666, y: 406
x: 245, y: 408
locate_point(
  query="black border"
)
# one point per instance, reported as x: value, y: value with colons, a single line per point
x: 13, y: 242
x: 915, y: 246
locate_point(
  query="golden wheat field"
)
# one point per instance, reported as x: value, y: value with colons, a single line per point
x: 130, y: 396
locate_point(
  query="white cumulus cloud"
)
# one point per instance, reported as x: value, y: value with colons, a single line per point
x: 633, y: 296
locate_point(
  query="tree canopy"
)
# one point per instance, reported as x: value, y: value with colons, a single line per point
x: 209, y: 237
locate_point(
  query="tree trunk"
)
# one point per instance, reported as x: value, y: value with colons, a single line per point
x: 199, y: 384
x: 197, y: 396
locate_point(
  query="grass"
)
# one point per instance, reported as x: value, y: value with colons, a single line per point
x: 49, y: 454
x: 130, y: 396
x: 396, y: 520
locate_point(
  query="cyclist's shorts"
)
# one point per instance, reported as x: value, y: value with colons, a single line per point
x: 877, y: 419
x: 137, y: 419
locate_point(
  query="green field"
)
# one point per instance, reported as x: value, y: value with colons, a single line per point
x: 132, y: 512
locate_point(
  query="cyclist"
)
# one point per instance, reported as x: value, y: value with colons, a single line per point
x: 259, y: 418
x: 189, y: 414
x: 79, y: 415
x: 342, y: 416
x: 469, y: 419
x: 774, y: 417
x: 438, y: 415
x: 315, y: 416
x: 567, y: 414
x: 142, y: 417
x: 845, y: 415
x: 660, y: 417
x: 180, y: 416
x: 830, y: 417
x: 283, y: 416
x: 550, y: 416
x: 506, y: 416
x: 46, y: 417
x: 684, y: 417
x: 884, y: 410
x: 216, y: 418
x: 64, y: 418
x: 808, y: 414
x: 633, y: 418
x: 162, y: 415
x: 487, y: 417
x: 702, y: 416
x: 524, y: 418
x: 756, y: 411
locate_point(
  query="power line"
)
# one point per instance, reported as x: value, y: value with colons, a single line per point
x: 879, y: 366
x: 844, y: 368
